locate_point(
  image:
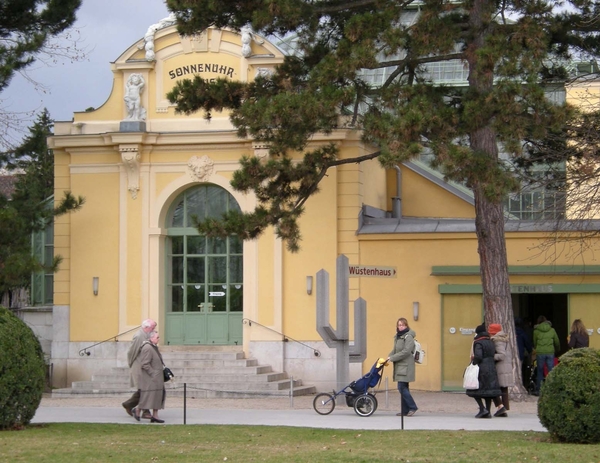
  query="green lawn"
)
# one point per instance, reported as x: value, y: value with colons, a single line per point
x: 79, y: 443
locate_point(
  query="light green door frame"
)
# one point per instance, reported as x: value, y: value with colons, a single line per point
x: 204, y: 283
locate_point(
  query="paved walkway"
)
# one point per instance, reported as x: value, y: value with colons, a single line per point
x: 436, y: 412
x: 343, y: 418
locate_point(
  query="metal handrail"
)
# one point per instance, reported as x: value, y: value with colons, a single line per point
x: 247, y: 321
x: 85, y: 351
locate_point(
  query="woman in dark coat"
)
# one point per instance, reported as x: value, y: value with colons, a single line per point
x: 489, y: 387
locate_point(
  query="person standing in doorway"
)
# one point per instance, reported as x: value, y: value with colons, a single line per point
x: 545, y: 343
x: 402, y: 356
x: 135, y: 369
x: 525, y: 347
x: 579, y: 336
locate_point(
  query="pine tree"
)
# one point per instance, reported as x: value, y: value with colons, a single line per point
x: 512, y: 49
x: 30, y: 207
x: 26, y: 26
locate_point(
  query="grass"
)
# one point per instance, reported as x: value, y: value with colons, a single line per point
x: 80, y: 443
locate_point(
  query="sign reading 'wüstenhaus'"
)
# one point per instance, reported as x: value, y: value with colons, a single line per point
x: 372, y: 271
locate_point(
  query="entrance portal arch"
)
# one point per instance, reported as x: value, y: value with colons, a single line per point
x: 204, y: 276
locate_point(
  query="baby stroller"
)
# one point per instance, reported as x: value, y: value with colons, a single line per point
x: 532, y: 383
x: 357, y: 393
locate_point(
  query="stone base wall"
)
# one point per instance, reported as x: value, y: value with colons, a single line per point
x: 39, y: 319
x: 300, y: 362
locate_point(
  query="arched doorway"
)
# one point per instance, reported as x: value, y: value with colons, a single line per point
x: 204, y: 276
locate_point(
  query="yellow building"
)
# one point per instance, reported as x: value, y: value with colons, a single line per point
x: 132, y: 252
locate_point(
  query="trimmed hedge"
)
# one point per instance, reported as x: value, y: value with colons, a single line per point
x: 22, y: 371
x: 569, y: 403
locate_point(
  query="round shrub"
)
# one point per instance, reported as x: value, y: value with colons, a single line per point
x: 569, y: 403
x: 22, y: 371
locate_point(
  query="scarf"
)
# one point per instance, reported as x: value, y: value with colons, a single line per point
x: 399, y: 333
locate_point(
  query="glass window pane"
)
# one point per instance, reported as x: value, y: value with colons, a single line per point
x: 217, y: 270
x: 177, y: 245
x: 236, y: 269
x: 218, y: 297
x: 49, y: 232
x: 216, y: 202
x: 236, y: 245
x: 236, y: 298
x: 177, y: 298
x: 196, y: 245
x: 49, y: 255
x: 217, y: 246
x: 196, y: 203
x: 48, y: 289
x: 195, y: 297
x: 178, y: 214
x: 195, y: 270
x: 233, y: 205
x: 177, y: 270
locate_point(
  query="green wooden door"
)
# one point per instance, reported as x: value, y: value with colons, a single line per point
x: 461, y: 314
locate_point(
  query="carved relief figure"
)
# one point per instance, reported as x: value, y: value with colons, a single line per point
x: 246, y: 41
x: 247, y: 37
x: 264, y: 72
x: 133, y: 98
x: 200, y: 169
x: 149, y: 37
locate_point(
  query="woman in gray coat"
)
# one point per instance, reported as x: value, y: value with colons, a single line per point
x: 503, y: 359
x: 402, y: 355
x: 152, y: 384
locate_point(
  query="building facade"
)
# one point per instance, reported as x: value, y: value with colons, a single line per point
x: 147, y: 173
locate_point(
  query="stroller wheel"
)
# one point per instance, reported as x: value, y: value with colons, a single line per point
x: 324, y: 403
x: 365, y: 405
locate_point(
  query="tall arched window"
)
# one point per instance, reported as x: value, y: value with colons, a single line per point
x: 204, y: 275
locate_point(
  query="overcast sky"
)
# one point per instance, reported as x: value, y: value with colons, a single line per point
x: 107, y: 28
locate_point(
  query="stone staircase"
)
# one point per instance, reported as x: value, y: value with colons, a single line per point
x: 207, y: 371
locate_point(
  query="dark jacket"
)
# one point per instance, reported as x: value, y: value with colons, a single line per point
x: 524, y: 343
x: 578, y: 340
x: 483, y: 355
x: 545, y: 339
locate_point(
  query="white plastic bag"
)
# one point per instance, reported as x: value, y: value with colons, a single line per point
x: 418, y: 353
x: 471, y: 377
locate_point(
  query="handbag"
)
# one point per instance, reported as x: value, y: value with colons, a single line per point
x: 167, y: 374
x: 471, y: 377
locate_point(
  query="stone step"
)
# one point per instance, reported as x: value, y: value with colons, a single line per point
x: 206, y: 371
x: 178, y: 355
x: 242, y: 384
x: 202, y: 363
x: 119, y: 393
x: 123, y: 372
x: 201, y: 348
x: 201, y: 376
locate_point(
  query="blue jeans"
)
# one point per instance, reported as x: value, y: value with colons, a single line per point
x: 407, y: 402
x: 541, y: 359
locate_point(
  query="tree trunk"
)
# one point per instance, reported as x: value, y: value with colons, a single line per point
x: 489, y: 212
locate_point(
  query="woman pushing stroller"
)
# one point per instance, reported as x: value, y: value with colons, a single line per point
x: 402, y: 356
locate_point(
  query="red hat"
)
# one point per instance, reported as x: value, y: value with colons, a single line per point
x: 494, y: 329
